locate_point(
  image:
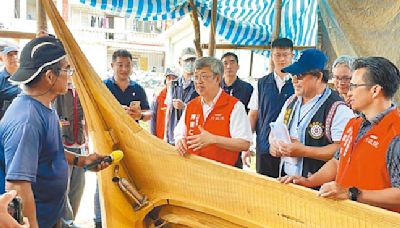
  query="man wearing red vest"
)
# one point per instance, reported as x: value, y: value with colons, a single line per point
x: 366, y: 167
x: 213, y: 125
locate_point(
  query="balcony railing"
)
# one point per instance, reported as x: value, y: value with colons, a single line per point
x: 103, y: 34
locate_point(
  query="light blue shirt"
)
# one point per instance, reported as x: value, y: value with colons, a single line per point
x: 342, y: 116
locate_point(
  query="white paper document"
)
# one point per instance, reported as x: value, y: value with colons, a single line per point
x: 280, y: 132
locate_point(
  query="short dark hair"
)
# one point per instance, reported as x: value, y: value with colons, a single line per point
x: 55, y: 67
x: 121, y: 53
x: 282, y: 43
x: 380, y: 71
x: 230, y: 54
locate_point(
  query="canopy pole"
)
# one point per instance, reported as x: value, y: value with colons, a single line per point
x: 196, y: 27
x: 250, y: 47
x: 251, y: 63
x: 211, y: 47
x: 276, y: 28
x: 41, y: 18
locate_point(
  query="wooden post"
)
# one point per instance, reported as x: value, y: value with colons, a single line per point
x: 251, y: 63
x: 196, y: 27
x: 41, y: 18
x: 211, y: 47
x: 276, y: 28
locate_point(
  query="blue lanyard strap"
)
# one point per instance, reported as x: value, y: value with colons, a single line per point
x: 299, y: 120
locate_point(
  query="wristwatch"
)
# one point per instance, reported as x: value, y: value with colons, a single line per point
x: 354, y: 193
x: 76, y: 159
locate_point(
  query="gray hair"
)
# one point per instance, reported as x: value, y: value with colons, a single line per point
x: 345, y: 60
x: 216, y: 65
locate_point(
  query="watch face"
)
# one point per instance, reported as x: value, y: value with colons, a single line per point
x: 354, y: 192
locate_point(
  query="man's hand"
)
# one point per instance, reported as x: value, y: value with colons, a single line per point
x: 201, y: 140
x: 178, y: 104
x: 87, y: 160
x: 181, y: 145
x: 294, y: 149
x: 6, y: 219
x: 274, y: 146
x: 333, y: 190
x: 135, y: 112
x: 246, y: 158
x: 299, y: 180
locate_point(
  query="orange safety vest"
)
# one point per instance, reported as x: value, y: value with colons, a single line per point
x: 363, y: 164
x: 161, y: 109
x: 217, y: 123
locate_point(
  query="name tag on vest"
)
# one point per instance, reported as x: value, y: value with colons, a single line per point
x: 217, y: 117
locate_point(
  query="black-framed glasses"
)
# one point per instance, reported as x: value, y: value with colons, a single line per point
x: 69, y: 71
x: 299, y: 77
x: 352, y: 85
x: 202, y: 77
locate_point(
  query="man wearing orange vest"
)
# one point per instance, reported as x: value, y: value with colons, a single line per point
x: 366, y: 168
x: 213, y: 125
x: 158, y: 106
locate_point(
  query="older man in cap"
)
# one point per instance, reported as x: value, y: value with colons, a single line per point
x: 213, y: 125
x: 366, y: 167
x: 315, y: 117
x: 32, y: 157
x: 8, y: 91
x: 182, y: 91
x: 158, y: 107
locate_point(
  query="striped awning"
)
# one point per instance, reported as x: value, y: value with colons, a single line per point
x: 240, y: 22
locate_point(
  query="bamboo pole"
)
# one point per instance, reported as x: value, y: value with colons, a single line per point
x: 276, y: 28
x: 251, y: 63
x: 211, y: 47
x: 41, y: 18
x: 196, y: 27
x: 250, y: 47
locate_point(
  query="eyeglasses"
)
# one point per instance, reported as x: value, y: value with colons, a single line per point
x: 203, y: 77
x: 299, y: 77
x: 69, y: 71
x: 342, y: 79
x: 352, y: 86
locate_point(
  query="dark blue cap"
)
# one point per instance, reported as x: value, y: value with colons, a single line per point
x: 309, y: 60
x: 35, y: 56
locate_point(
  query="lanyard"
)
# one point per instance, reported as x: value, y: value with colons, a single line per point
x: 299, y: 120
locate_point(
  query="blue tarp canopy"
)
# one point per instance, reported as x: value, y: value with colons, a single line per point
x: 240, y: 22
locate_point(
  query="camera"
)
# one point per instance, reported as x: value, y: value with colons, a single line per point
x: 15, y: 209
x: 175, y: 83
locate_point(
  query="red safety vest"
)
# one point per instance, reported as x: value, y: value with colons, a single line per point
x: 161, y: 109
x: 217, y: 123
x: 363, y: 164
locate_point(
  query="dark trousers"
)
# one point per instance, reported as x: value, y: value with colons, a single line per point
x: 267, y: 165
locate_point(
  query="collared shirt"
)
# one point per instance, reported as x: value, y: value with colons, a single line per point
x: 393, y: 154
x: 240, y: 89
x: 134, y: 92
x: 253, y: 104
x: 342, y: 115
x: 8, y: 91
x: 239, y: 123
